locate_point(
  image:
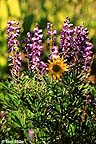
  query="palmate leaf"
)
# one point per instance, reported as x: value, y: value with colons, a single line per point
x: 17, y: 118
x: 15, y: 121
x: 10, y: 101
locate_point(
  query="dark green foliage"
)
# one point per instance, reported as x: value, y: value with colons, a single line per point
x: 56, y: 110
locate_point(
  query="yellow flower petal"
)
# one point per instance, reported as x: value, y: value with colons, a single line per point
x: 57, y: 67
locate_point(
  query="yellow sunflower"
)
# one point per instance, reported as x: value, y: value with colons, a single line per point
x: 56, y: 67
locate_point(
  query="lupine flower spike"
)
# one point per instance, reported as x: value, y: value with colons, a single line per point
x: 33, y: 51
x: 51, y: 34
x: 14, y: 59
x: 56, y: 65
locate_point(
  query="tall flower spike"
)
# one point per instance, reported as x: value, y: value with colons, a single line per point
x: 33, y: 51
x: 75, y: 46
x: 85, y: 48
x: 52, y: 41
x: 14, y: 59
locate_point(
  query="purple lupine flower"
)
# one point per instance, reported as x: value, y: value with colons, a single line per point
x: 42, y: 68
x: 89, y: 54
x: 33, y: 51
x: 54, y: 52
x: 14, y: 58
x: 51, y: 34
x: 31, y: 134
x: 12, y: 31
x: 67, y: 42
x: 75, y: 46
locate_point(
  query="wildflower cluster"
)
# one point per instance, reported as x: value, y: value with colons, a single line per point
x: 75, y: 46
x: 43, y: 110
x: 74, y: 49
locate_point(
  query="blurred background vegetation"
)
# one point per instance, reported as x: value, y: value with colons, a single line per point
x: 30, y: 12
